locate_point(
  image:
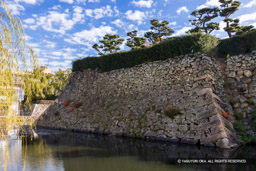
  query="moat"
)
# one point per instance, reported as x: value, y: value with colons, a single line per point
x: 61, y: 150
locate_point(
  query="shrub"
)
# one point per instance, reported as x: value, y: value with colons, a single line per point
x: 244, y: 138
x: 66, y: 103
x: 249, y: 102
x: 237, y: 45
x: 239, y: 126
x: 168, y: 48
x: 172, y: 112
x: 239, y: 115
x: 78, y: 105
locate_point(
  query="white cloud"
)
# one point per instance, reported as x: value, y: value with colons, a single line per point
x: 252, y: 3
x: 182, y: 9
x: 182, y: 31
x: 56, y: 7
x: 209, y: 3
x: 88, y: 37
x: 119, y: 23
x: 174, y: 23
x: 67, y: 1
x: 143, y: 3
x: 49, y: 44
x: 81, y: 1
x: 59, y: 22
x: 93, y: 0
x: 247, y: 17
x: 114, y: 1
x: 99, y: 12
x: 29, y: 21
x: 135, y: 16
x: 15, y: 8
x: 32, y: 2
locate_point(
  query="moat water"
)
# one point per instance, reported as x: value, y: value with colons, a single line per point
x: 61, y: 150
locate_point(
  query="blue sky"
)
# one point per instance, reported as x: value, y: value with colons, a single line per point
x: 61, y: 31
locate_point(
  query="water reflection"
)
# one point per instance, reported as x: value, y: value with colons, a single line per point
x: 58, y: 150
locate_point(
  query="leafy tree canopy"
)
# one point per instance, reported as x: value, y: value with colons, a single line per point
x: 135, y: 42
x: 158, y: 31
x: 110, y: 43
x: 202, y: 17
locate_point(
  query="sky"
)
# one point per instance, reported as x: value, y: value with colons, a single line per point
x: 61, y: 31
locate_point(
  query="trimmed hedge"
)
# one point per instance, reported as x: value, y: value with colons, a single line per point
x: 169, y: 48
x: 236, y: 45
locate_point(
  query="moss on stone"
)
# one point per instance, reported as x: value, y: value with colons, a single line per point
x: 239, y: 115
x: 249, y: 102
x: 233, y: 102
x: 172, y: 112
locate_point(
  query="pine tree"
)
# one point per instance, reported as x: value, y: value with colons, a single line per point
x: 158, y: 31
x: 110, y: 43
x: 244, y: 29
x: 202, y: 17
x: 135, y: 42
x: 229, y: 7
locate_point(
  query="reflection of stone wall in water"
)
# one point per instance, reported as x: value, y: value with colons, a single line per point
x: 97, y: 147
x: 135, y: 102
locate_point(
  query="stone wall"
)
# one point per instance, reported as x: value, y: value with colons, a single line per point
x: 134, y: 102
x: 38, y: 110
x: 241, y: 89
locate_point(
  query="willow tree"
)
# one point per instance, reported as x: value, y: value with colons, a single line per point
x: 13, y: 71
x: 13, y: 67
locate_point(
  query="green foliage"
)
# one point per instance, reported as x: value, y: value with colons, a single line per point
x: 245, y: 138
x: 226, y: 85
x: 110, y: 43
x: 249, y: 102
x: 135, y: 42
x: 239, y: 126
x: 202, y: 17
x: 168, y: 48
x: 46, y: 86
x: 229, y: 128
x: 158, y: 31
x: 172, y: 112
x: 254, y: 114
x: 229, y: 7
x: 233, y: 102
x: 239, y: 115
x: 236, y: 45
x: 60, y: 80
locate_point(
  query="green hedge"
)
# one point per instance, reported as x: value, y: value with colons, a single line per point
x: 167, y: 49
x: 237, y: 45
